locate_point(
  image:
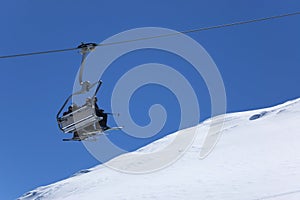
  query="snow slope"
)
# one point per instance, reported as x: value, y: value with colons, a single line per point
x: 254, y: 159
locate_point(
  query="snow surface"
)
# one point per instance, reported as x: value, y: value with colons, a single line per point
x: 257, y: 157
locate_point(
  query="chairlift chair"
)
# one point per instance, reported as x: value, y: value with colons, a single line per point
x: 82, y: 120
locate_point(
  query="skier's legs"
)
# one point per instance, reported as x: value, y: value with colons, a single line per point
x: 103, y: 122
x: 75, y: 135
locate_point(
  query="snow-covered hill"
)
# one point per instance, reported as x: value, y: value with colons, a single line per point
x: 257, y: 157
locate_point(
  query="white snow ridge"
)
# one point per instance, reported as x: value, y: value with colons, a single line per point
x: 257, y: 157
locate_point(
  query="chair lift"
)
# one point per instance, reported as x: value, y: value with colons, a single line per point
x: 84, y: 119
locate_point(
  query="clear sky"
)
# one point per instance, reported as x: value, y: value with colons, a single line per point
x: 259, y: 64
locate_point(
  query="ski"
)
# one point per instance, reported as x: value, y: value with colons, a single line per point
x: 72, y: 139
x: 114, y: 128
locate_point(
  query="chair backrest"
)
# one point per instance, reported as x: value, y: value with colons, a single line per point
x: 79, y: 119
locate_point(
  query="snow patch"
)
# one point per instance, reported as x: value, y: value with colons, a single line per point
x: 257, y: 157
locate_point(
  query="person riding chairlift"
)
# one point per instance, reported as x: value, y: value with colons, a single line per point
x: 101, y: 113
x: 72, y: 108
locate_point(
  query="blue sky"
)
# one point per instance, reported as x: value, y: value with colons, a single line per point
x: 259, y: 64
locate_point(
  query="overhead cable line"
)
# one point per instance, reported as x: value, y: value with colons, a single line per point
x: 158, y: 36
x: 39, y: 52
